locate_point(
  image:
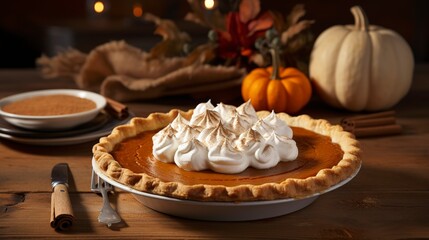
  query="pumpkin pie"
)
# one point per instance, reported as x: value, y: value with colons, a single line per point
x: 326, y: 155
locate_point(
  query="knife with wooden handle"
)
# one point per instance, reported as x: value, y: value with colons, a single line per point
x: 61, y: 208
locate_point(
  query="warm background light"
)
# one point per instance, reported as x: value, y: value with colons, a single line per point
x: 98, y: 7
x: 137, y: 10
x: 209, y: 4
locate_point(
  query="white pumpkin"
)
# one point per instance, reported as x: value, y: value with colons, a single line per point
x: 361, y: 67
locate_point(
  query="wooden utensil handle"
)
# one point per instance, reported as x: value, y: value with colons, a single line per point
x: 61, y: 208
x: 62, y: 204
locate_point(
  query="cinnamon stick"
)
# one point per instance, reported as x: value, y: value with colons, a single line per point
x: 369, y: 125
x: 382, y: 130
x: 116, y: 109
x: 352, y: 124
x: 368, y: 116
x: 61, y: 211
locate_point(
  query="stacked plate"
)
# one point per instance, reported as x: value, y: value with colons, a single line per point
x: 58, y: 129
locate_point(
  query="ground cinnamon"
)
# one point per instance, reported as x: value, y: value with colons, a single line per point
x: 48, y: 105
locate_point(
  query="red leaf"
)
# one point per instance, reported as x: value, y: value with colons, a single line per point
x: 249, y: 9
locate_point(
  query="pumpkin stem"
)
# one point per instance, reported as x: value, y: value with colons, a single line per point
x: 361, y: 20
x: 276, y: 63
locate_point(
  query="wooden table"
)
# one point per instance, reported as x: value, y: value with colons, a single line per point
x: 389, y: 198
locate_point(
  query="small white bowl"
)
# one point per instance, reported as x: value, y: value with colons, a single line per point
x: 54, y: 122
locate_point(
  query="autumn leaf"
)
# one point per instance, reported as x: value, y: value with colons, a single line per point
x: 201, y: 55
x: 173, y: 39
x: 248, y: 10
x: 264, y: 22
x: 192, y: 17
x: 295, y: 26
x: 215, y: 20
x: 167, y: 29
x: 297, y: 12
x: 295, y: 30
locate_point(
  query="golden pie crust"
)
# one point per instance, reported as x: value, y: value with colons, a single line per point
x: 325, y: 178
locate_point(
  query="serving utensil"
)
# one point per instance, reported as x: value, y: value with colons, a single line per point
x: 61, y: 208
x: 107, y: 215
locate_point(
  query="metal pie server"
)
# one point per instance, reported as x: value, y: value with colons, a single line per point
x: 61, y: 208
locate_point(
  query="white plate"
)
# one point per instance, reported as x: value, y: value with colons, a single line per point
x: 52, y: 122
x: 105, y: 130
x: 219, y: 211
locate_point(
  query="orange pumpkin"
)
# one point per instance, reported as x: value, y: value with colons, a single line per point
x: 274, y: 88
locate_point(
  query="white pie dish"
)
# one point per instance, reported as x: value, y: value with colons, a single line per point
x: 53, y: 122
x: 219, y: 211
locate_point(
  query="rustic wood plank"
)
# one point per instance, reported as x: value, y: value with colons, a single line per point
x: 37, y: 162
x: 357, y: 214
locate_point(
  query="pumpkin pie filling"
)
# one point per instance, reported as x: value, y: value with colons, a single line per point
x: 315, y: 152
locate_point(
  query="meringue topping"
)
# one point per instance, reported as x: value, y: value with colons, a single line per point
x: 246, y: 109
x: 179, y: 122
x: 166, y: 144
x: 211, y: 136
x: 225, y: 110
x: 223, y: 158
x: 208, y: 118
x: 238, y: 124
x: 264, y: 128
x: 248, y: 142
x: 166, y: 132
x: 225, y: 139
x: 248, y: 139
x: 286, y: 147
x: 202, y: 107
x: 281, y: 128
x: 266, y: 156
x: 191, y: 156
x: 186, y: 133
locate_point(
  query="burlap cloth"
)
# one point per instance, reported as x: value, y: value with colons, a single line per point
x: 125, y: 73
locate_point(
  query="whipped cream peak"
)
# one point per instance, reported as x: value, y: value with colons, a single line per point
x: 280, y: 127
x: 249, y: 138
x: 223, y: 158
x: 246, y: 109
x: 238, y: 123
x: 287, y: 149
x: 266, y: 156
x: 192, y: 156
x: 264, y: 128
x: 225, y: 139
x: 208, y: 118
x: 168, y: 131
x: 225, y: 110
x: 186, y: 133
x: 210, y: 136
x: 166, y: 144
x: 202, y: 107
x: 179, y: 122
